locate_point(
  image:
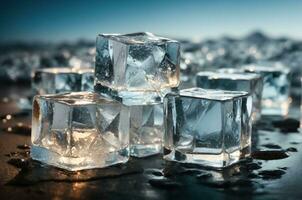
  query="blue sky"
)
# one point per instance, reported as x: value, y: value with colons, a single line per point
x: 57, y: 20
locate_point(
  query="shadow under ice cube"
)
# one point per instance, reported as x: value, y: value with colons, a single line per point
x: 60, y: 80
x: 208, y: 127
x: 139, y: 62
x: 276, y: 85
x: 227, y: 79
x: 146, y: 129
x: 82, y: 130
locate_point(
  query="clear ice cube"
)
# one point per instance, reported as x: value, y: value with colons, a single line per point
x: 234, y: 80
x: 80, y: 130
x: 276, y: 85
x: 208, y: 127
x: 146, y: 129
x: 138, y: 62
x: 60, y: 80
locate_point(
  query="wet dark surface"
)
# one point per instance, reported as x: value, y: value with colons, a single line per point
x: 269, y: 154
x: 274, y: 172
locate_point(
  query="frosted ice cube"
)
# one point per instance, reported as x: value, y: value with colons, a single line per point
x: 276, y: 84
x: 137, y: 62
x: 80, y: 130
x: 234, y: 80
x: 60, y: 80
x: 208, y: 127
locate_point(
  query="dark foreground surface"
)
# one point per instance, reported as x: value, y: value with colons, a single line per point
x: 273, y: 173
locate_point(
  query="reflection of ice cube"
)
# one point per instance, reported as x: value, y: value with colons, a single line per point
x: 206, y: 126
x: 112, y: 140
x: 69, y: 132
x: 138, y: 62
x: 185, y: 142
x: 106, y: 115
x: 84, y: 142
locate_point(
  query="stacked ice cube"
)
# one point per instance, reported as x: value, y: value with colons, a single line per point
x: 135, y: 107
x: 138, y: 69
x: 82, y: 130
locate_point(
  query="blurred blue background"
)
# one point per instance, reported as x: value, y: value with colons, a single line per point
x: 61, y: 20
x: 49, y: 33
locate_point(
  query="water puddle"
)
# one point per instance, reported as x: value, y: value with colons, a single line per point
x: 272, y: 146
x: 32, y: 172
x: 288, y: 125
x: 271, y: 174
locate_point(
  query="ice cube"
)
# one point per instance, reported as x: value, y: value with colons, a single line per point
x: 208, y: 127
x: 276, y: 84
x: 146, y: 129
x: 137, y: 62
x: 234, y: 80
x: 60, y: 80
x: 80, y: 130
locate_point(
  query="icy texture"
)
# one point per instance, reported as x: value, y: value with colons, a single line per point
x: 138, y: 62
x: 60, y: 80
x: 233, y: 80
x: 81, y: 130
x: 276, y: 85
x: 208, y: 127
x: 146, y: 129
